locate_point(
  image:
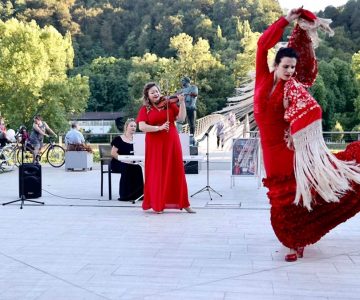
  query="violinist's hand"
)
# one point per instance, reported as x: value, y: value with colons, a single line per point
x: 165, y: 126
x: 181, y: 98
x: 293, y: 14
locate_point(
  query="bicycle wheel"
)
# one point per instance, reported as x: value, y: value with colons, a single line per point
x: 28, y: 156
x: 9, y: 156
x: 56, y: 156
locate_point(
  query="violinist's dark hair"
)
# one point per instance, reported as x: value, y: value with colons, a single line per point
x: 146, y: 99
x: 285, y: 52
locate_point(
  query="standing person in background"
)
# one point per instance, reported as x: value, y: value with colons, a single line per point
x: 36, y: 139
x: 190, y: 91
x: 231, y: 119
x: 3, y: 138
x: 165, y: 181
x: 220, y: 134
x: 311, y: 191
x: 131, y: 185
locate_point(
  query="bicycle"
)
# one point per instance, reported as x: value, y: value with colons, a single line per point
x: 55, y: 154
x: 7, y: 158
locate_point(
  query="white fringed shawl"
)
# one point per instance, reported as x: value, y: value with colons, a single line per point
x: 316, y: 168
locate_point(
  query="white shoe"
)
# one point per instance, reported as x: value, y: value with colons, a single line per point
x: 190, y: 210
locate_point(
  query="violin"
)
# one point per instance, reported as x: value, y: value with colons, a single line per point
x: 166, y: 100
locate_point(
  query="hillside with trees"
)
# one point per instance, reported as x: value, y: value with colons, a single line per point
x: 118, y: 45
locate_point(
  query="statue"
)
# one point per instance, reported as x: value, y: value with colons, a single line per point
x: 191, y: 92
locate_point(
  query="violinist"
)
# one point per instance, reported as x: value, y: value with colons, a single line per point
x: 163, y: 154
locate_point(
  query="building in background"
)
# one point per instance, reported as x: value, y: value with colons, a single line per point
x: 97, y: 122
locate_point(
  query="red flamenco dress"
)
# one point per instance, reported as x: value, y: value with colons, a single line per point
x: 165, y: 181
x: 311, y: 190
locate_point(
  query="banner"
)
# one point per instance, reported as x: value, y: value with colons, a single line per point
x: 245, y: 157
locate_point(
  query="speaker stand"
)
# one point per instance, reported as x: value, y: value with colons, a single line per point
x: 23, y: 199
x: 207, y: 188
x: 22, y: 194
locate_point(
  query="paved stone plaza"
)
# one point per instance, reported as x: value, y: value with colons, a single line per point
x: 81, y: 246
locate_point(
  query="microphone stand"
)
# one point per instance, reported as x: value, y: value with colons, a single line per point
x: 207, y: 187
x: 21, y: 174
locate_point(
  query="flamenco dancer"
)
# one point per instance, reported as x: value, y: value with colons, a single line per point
x: 311, y: 190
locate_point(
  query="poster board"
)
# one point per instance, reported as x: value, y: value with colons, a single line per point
x: 245, y: 157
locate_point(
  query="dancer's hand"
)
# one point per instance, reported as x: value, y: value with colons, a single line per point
x: 293, y: 14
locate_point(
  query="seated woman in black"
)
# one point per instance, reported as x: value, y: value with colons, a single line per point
x: 131, y: 181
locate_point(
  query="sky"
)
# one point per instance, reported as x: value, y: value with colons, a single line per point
x: 313, y: 5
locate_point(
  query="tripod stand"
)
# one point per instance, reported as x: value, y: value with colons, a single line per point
x: 207, y: 187
x: 22, y: 183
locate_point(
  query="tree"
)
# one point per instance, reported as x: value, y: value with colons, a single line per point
x: 329, y: 77
x: 192, y: 57
x: 338, y: 128
x: 348, y: 92
x: 33, y: 75
x: 356, y: 65
x: 108, y: 83
x: 318, y: 91
x: 245, y: 61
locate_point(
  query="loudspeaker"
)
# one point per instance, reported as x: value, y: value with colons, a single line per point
x: 30, y: 175
x: 192, y: 167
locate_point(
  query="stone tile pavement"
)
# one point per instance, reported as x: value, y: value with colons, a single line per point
x: 81, y: 246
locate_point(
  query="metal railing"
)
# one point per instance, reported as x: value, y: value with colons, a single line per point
x: 335, y: 140
x: 203, y: 124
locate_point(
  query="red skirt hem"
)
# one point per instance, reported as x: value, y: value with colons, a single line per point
x: 294, y: 225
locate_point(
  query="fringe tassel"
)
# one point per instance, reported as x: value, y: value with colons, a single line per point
x: 312, y: 27
x: 317, y: 169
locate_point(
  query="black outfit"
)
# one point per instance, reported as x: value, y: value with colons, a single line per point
x: 131, y: 184
x: 191, y: 117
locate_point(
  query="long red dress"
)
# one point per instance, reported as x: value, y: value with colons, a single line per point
x: 294, y: 225
x: 165, y: 181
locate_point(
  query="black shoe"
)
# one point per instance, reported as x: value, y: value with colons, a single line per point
x: 122, y: 199
x: 125, y: 199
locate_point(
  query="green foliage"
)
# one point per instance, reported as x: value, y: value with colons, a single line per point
x: 357, y: 107
x: 318, y: 90
x: 341, y: 92
x: 356, y: 65
x: 121, y: 45
x: 193, y: 57
x: 346, y: 23
x: 215, y: 85
x: 355, y: 137
x: 245, y: 61
x: 338, y: 128
x: 33, y: 75
x: 108, y: 83
x: 133, y: 28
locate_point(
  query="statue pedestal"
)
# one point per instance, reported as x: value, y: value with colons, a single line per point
x: 192, y: 167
